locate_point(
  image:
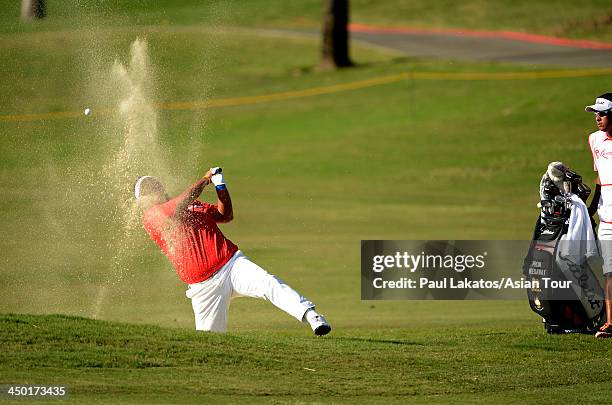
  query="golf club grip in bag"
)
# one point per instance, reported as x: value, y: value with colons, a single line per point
x: 578, y: 310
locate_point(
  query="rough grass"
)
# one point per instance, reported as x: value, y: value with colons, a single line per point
x: 105, y: 362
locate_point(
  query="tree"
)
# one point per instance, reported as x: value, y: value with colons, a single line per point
x: 33, y: 9
x: 335, y: 35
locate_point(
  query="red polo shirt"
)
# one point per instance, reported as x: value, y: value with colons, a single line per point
x: 192, y: 241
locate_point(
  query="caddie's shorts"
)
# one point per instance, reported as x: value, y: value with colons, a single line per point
x: 604, y: 233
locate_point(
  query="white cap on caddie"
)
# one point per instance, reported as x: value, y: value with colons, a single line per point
x: 601, y: 104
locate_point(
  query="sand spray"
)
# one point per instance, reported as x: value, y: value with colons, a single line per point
x: 139, y: 154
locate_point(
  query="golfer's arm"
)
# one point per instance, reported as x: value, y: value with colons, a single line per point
x: 595, y: 199
x: 224, y: 206
x: 191, y: 194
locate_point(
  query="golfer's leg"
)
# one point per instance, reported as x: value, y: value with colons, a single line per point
x: 250, y: 280
x: 210, y: 301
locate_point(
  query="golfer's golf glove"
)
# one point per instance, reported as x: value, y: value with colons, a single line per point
x: 217, y: 177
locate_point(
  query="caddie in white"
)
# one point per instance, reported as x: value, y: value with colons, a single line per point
x: 213, y: 267
x: 600, y: 142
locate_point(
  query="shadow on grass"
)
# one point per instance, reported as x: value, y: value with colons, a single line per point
x: 314, y: 69
x: 382, y: 341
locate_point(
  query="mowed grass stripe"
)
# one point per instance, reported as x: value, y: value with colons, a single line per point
x: 317, y: 91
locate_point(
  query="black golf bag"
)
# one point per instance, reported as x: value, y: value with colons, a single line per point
x: 580, y: 308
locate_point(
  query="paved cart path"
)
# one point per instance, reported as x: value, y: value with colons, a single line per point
x: 488, y: 46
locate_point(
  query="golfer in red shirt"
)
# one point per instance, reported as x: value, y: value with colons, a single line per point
x: 213, y: 267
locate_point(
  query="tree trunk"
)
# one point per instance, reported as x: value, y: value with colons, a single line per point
x: 335, y: 35
x: 33, y: 9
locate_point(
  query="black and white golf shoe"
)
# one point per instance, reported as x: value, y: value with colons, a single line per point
x: 317, y: 322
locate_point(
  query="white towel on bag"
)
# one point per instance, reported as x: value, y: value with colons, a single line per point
x: 579, y: 243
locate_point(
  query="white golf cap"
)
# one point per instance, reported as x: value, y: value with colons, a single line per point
x: 138, y: 185
x: 602, y: 103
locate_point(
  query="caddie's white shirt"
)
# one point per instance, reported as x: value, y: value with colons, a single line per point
x: 601, y: 148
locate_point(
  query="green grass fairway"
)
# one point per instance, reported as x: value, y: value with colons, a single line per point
x: 105, y: 362
x: 310, y: 177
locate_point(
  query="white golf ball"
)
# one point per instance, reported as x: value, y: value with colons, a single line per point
x: 87, y: 111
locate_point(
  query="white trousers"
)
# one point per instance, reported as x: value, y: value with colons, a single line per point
x: 604, y: 233
x: 240, y: 277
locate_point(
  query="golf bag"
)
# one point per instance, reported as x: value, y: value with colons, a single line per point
x: 580, y: 308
